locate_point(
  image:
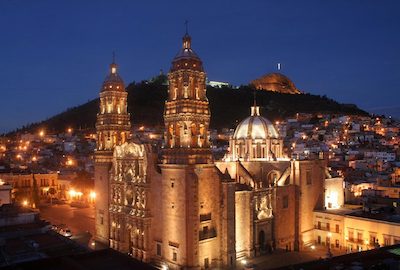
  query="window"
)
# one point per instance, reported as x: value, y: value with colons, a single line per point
x: 174, y: 256
x: 372, y: 239
x: 285, y: 203
x: 337, y: 228
x: 205, y: 230
x: 172, y: 205
x: 359, y: 236
x: 328, y: 226
x: 328, y: 240
x: 337, y: 243
x: 319, y: 239
x: 319, y: 225
x: 158, y: 249
x: 101, y: 220
x: 308, y: 177
x: 387, y: 241
x: 351, y: 235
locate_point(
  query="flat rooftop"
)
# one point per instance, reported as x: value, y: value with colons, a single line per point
x: 105, y: 259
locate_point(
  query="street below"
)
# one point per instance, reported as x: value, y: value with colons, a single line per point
x: 79, y: 220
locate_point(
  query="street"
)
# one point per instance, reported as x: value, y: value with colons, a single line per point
x: 79, y: 220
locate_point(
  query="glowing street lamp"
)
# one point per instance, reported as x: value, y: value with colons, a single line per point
x: 25, y: 203
x: 92, y: 195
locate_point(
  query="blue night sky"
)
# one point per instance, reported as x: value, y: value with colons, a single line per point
x: 55, y: 54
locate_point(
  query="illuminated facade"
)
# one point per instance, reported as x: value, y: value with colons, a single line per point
x: 113, y: 127
x: 182, y: 209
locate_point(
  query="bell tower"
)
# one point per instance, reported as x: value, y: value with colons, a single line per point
x: 186, y: 114
x: 190, y: 185
x: 113, y: 128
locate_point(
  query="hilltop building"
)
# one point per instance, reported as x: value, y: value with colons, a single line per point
x: 275, y: 82
x: 184, y: 209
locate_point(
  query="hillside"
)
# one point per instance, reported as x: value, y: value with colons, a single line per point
x: 228, y: 106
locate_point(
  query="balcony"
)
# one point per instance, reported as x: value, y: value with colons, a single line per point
x: 356, y: 241
x: 207, y: 234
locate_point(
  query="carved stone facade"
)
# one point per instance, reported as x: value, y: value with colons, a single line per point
x: 129, y: 194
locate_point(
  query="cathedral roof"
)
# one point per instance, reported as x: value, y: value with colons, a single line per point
x: 255, y: 127
x: 186, y: 58
x: 113, y: 81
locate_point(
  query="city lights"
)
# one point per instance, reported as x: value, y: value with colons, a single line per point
x: 25, y: 203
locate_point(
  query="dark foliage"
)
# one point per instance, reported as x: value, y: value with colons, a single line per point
x: 228, y: 106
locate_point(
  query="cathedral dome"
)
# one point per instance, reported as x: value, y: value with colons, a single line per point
x: 255, y: 127
x: 113, y: 81
x: 276, y: 82
x: 186, y: 58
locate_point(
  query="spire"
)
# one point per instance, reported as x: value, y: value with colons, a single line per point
x: 186, y: 38
x: 113, y: 66
x: 255, y: 110
x: 254, y: 98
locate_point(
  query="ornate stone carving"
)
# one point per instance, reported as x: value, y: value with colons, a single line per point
x: 263, y: 206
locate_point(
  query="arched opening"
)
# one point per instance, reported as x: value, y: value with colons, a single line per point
x: 272, y: 178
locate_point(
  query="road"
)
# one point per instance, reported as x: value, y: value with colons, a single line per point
x: 79, y: 220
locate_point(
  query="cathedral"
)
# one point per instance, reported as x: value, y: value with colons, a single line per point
x: 178, y: 208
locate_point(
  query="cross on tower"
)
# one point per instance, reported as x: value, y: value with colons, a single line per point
x: 186, y: 26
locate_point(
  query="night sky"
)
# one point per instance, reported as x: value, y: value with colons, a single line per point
x: 55, y: 54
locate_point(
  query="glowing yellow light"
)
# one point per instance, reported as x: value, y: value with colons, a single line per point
x: 41, y: 133
x: 72, y: 193
x: 34, y: 158
x: 25, y: 203
x: 92, y: 195
x: 312, y: 247
x: 329, y: 235
x: 69, y: 130
x: 141, y: 128
x: 243, y: 261
x: 69, y: 162
x: 2, y: 182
